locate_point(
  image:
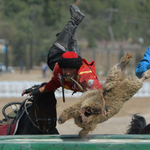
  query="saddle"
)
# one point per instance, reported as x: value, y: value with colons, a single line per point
x: 9, y: 124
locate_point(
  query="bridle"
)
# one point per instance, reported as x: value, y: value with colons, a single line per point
x: 49, y: 120
x: 72, y: 80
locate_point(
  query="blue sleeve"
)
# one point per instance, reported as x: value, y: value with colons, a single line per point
x: 144, y: 64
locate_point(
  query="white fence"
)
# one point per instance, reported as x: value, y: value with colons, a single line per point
x: 15, y: 88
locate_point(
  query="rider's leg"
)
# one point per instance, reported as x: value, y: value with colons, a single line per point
x: 68, y: 31
x: 73, y: 46
x: 64, y: 38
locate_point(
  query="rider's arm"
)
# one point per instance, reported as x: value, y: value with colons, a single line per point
x: 53, y: 84
x: 144, y: 64
x: 50, y: 86
x: 89, y: 81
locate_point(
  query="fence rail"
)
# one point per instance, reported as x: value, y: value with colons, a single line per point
x: 15, y: 88
x: 73, y: 142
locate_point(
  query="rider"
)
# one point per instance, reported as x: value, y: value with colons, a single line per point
x: 144, y: 64
x: 65, y: 60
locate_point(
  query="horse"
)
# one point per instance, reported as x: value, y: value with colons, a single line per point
x: 138, y: 125
x: 37, y: 115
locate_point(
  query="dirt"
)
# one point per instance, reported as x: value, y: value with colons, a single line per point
x: 115, y: 125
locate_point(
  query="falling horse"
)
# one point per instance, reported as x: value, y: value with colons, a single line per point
x: 138, y: 125
x: 37, y: 117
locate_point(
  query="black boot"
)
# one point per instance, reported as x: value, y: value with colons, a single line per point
x: 64, y: 38
x: 76, y: 15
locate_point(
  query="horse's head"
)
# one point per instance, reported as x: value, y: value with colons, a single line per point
x: 44, y: 107
x: 92, y: 105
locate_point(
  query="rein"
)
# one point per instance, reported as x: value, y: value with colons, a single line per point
x: 37, y: 119
x: 68, y: 77
x: 29, y: 116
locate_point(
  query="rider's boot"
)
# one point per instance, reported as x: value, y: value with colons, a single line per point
x: 66, y: 35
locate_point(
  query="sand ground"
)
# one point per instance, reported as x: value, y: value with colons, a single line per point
x: 115, y: 125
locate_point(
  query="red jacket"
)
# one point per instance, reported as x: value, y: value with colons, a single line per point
x: 86, y: 77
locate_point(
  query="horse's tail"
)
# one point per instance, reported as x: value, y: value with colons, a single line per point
x: 136, y: 125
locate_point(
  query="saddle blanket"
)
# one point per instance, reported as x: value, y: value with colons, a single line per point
x: 4, y: 128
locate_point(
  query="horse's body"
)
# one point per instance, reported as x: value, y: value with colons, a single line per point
x: 38, y: 117
x: 42, y: 113
x: 138, y: 126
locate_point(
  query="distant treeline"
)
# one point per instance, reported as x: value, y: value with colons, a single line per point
x: 25, y: 23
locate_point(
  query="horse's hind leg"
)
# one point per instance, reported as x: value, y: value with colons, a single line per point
x: 124, y: 61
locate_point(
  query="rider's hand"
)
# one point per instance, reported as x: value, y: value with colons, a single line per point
x: 106, y: 109
x: 105, y: 112
x: 31, y: 91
